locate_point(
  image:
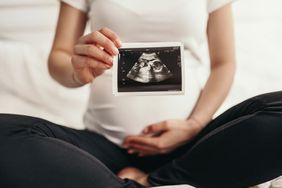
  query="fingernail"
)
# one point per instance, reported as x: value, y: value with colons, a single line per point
x: 145, y: 131
x: 130, y: 151
x: 110, y: 60
x: 115, y: 51
x: 118, y: 43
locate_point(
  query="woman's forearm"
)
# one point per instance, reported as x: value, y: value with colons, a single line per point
x: 70, y: 27
x: 221, y: 43
x: 214, y: 93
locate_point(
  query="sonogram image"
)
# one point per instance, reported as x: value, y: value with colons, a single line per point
x: 149, y: 69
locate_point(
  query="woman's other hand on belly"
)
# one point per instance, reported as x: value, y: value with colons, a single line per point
x: 162, y: 137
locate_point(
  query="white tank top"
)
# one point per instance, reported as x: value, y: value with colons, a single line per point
x: 146, y: 21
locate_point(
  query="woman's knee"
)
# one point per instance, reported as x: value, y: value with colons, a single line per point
x: 12, y: 125
x: 268, y: 99
x: 263, y: 102
x: 15, y: 120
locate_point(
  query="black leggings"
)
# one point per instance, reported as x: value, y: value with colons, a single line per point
x: 240, y: 148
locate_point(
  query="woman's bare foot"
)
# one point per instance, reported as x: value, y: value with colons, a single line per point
x: 144, y: 181
x: 134, y: 174
x: 131, y: 173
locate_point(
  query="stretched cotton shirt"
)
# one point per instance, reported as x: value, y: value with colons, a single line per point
x: 184, y: 21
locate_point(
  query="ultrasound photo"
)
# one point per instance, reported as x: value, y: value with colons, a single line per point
x: 149, y: 69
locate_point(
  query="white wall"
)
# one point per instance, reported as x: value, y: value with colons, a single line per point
x: 258, y: 25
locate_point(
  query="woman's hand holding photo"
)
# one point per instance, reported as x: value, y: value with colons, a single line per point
x: 93, y: 54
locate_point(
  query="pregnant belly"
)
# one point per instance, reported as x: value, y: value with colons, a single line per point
x: 118, y: 116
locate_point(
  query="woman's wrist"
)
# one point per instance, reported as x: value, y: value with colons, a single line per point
x: 196, y: 124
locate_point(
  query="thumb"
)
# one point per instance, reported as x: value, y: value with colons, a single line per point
x: 156, y: 128
x: 82, y: 76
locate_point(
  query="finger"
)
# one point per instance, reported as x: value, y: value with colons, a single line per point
x: 156, y: 128
x: 112, y: 36
x: 154, y: 152
x: 146, y: 154
x: 98, y: 72
x: 132, y: 151
x: 100, y: 40
x: 93, y: 51
x: 84, y: 75
x: 142, y: 148
x: 80, y: 62
x: 142, y: 140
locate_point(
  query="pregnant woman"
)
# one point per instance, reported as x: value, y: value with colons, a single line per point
x: 142, y: 141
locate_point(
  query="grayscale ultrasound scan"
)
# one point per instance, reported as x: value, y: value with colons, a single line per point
x: 149, y: 69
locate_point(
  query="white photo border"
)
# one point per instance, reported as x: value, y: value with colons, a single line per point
x: 149, y: 45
